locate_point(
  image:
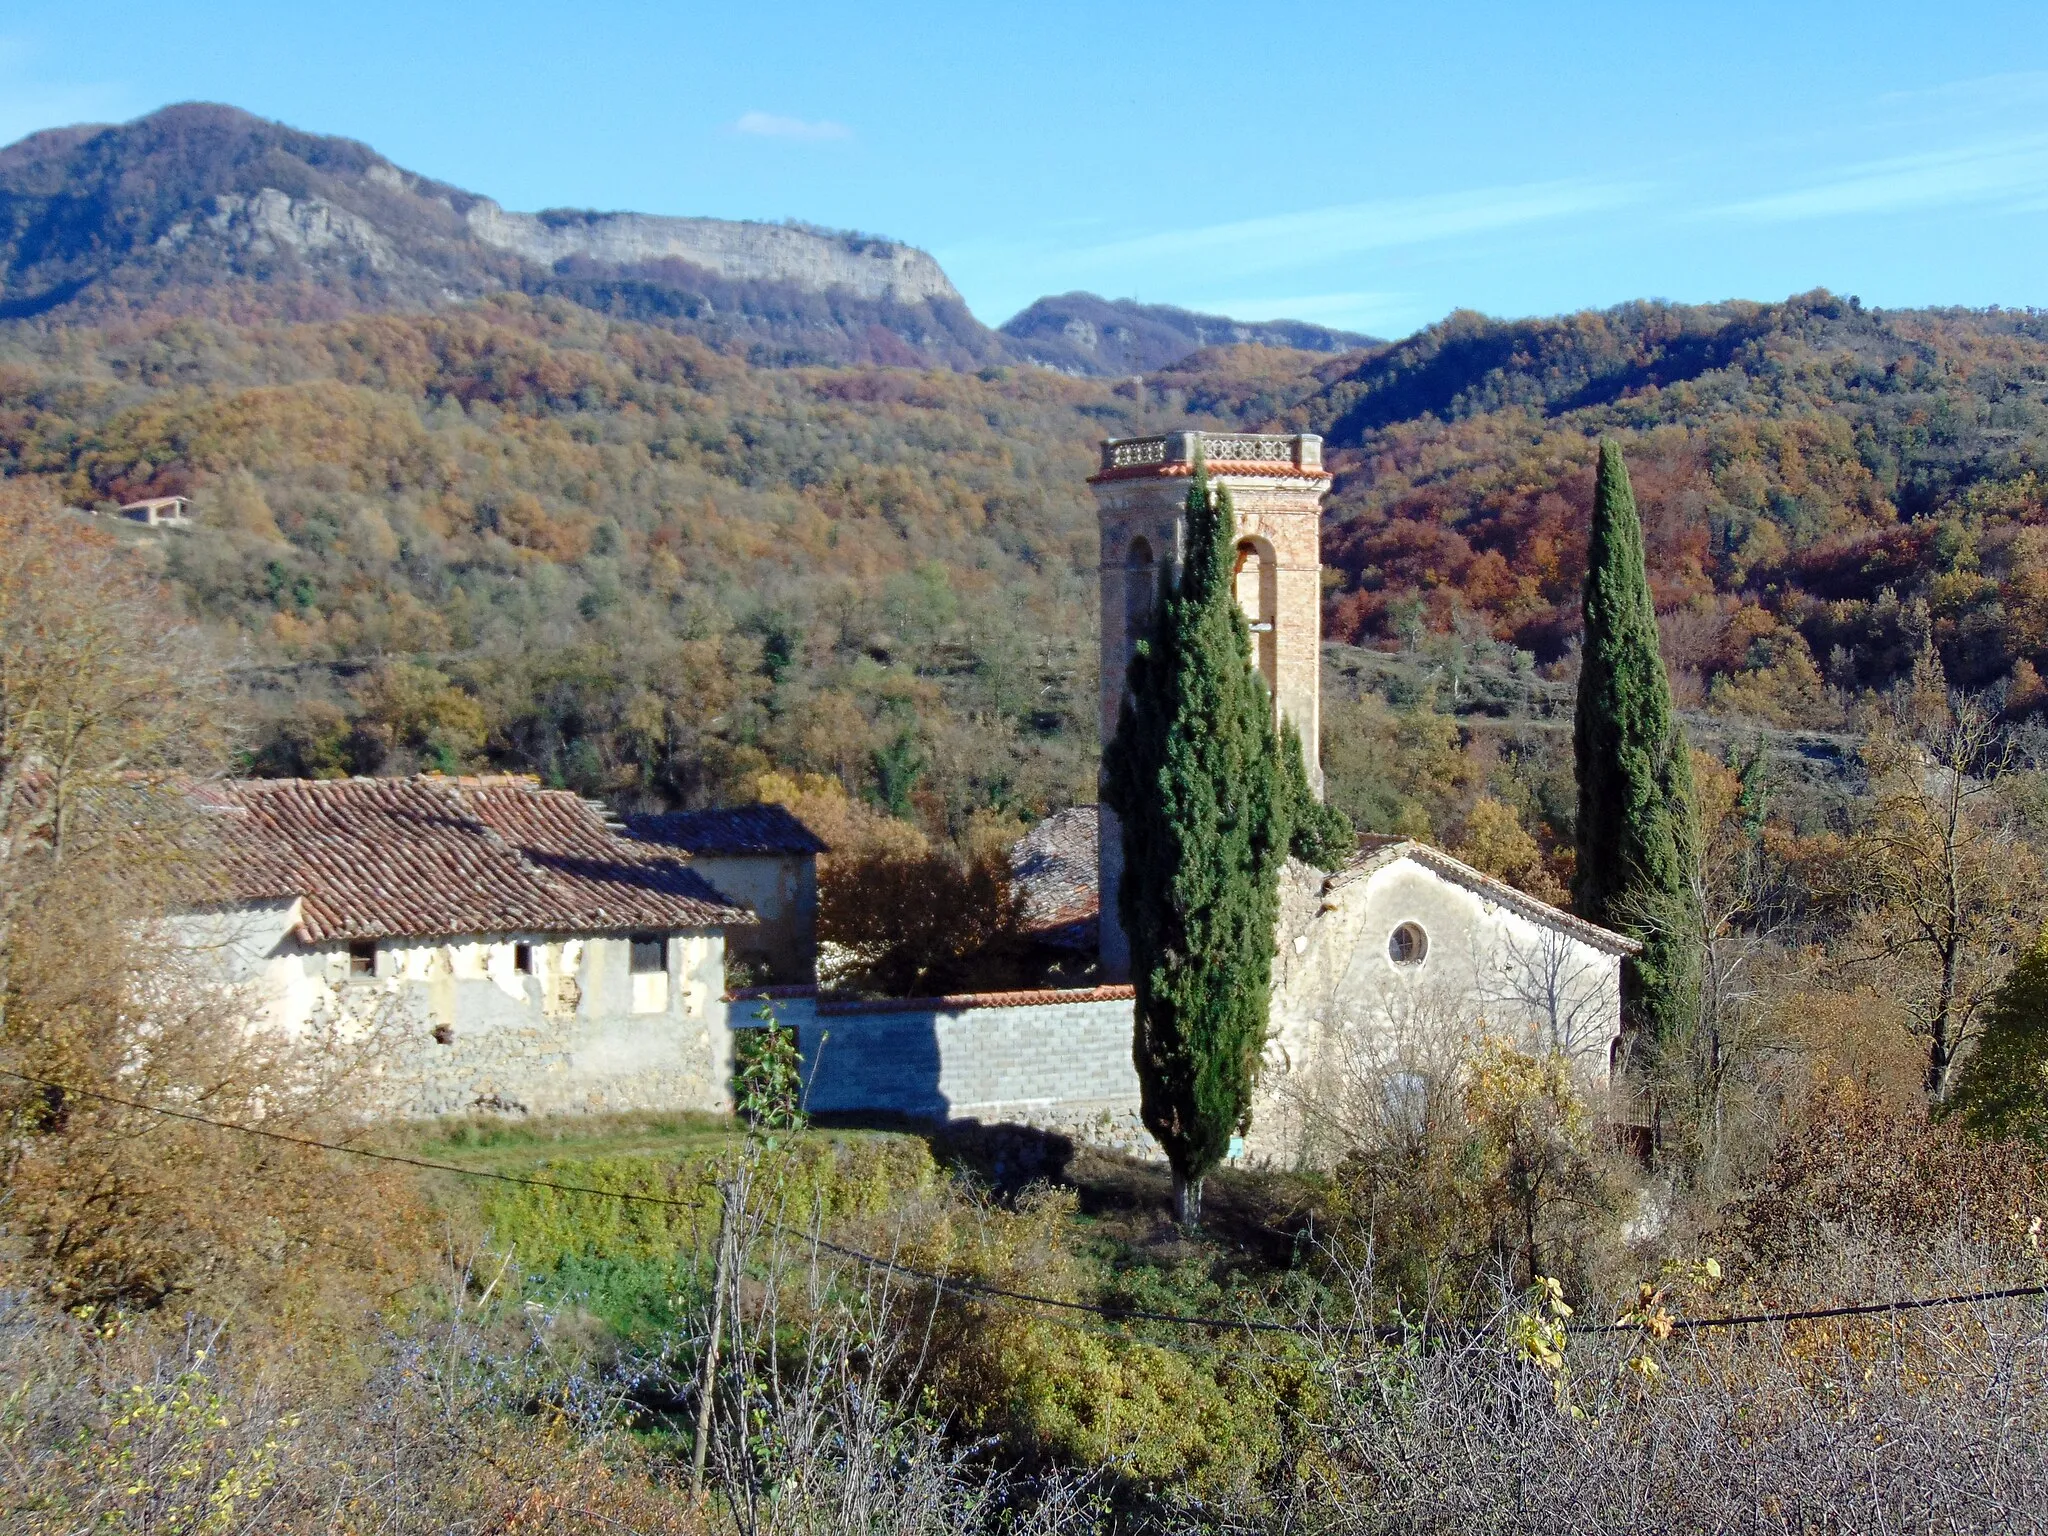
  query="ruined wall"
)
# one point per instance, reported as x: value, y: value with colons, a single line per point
x: 454, y: 1026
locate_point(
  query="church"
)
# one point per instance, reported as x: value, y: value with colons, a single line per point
x: 1404, y: 950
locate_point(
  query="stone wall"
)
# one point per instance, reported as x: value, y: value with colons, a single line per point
x: 451, y: 1026
x: 1343, y: 1006
x: 782, y: 891
x: 1056, y: 1060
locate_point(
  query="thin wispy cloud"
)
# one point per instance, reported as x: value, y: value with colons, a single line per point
x: 1349, y: 229
x: 767, y: 125
x: 1364, y: 311
x: 30, y: 100
x: 2010, y: 171
x: 1982, y: 96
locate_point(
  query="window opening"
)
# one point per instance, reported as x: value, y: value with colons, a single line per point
x: 362, y: 957
x: 1255, y: 583
x: 650, y: 953
x: 522, y: 959
x: 1408, y: 944
x: 1141, y: 582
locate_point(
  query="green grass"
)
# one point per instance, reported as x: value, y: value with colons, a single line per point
x: 641, y: 1268
x: 498, y: 1145
x: 638, y: 1266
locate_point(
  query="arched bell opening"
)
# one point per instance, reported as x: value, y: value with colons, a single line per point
x: 1256, y: 583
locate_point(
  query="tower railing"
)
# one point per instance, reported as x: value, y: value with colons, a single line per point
x: 1300, y: 450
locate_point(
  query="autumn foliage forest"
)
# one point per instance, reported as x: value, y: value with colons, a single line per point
x: 523, y: 534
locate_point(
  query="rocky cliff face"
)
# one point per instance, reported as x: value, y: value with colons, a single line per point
x: 203, y: 208
x: 775, y: 253
x: 206, y: 208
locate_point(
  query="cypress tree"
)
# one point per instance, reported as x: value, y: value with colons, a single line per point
x: 1637, y: 830
x: 2003, y: 1088
x: 1208, y: 810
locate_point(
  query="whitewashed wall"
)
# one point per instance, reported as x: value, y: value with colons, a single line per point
x: 458, y: 1027
x: 1340, y: 1001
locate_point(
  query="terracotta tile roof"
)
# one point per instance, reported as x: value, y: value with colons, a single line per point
x: 1376, y: 850
x: 1053, y: 867
x: 962, y: 1002
x: 433, y: 857
x: 740, y: 830
x: 1231, y: 469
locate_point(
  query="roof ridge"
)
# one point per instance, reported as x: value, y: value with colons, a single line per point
x: 1370, y: 861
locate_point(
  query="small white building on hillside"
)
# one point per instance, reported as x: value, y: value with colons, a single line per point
x: 160, y: 512
x: 507, y: 945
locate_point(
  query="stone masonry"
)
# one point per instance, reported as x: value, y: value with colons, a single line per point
x: 1277, y: 485
x: 1060, y: 1061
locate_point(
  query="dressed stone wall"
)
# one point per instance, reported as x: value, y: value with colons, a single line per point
x: 1058, y: 1061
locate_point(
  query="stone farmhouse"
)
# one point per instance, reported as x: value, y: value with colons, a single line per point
x: 512, y: 945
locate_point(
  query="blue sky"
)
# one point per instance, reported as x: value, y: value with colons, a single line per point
x: 1366, y: 165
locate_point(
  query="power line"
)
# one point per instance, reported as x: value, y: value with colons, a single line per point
x: 976, y: 1290
x: 1859, y: 1309
x: 972, y: 1289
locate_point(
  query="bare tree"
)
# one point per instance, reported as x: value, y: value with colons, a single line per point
x: 101, y: 683
x: 1546, y: 981
x: 1940, y: 880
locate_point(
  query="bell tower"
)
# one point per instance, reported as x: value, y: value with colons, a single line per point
x: 1277, y: 484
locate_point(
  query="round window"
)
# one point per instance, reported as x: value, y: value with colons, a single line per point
x: 1408, y: 944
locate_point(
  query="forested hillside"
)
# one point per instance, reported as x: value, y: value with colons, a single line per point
x: 525, y: 534
x: 1080, y: 333
x: 1825, y: 488
x: 678, y: 544
x: 203, y: 209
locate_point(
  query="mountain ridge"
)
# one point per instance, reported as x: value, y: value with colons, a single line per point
x: 1085, y: 334
x: 204, y: 208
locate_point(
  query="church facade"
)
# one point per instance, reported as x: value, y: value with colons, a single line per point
x: 1401, y: 958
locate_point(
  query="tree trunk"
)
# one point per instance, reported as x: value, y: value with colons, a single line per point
x: 1941, y: 1050
x: 1187, y: 1199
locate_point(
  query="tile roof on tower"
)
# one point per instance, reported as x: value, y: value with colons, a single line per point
x: 434, y: 857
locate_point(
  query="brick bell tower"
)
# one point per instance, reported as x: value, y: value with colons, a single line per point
x: 1277, y: 485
